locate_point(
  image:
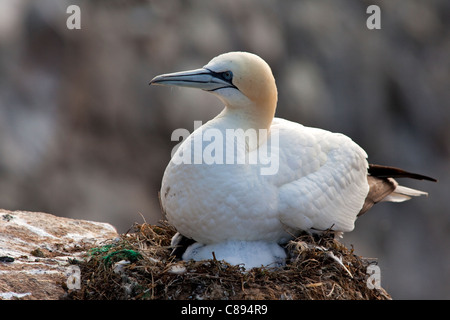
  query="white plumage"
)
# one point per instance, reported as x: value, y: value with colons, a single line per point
x: 314, y: 180
x: 321, y: 183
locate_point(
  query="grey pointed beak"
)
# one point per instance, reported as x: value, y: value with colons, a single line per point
x: 202, y: 78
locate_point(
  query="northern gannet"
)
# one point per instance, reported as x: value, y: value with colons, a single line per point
x: 239, y: 199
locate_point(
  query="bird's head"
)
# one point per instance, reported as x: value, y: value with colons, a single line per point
x: 242, y: 80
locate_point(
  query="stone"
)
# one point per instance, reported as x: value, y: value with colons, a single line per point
x: 35, y: 250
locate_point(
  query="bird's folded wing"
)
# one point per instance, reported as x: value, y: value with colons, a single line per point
x: 329, y: 194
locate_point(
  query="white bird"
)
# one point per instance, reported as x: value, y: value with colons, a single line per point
x: 301, y: 178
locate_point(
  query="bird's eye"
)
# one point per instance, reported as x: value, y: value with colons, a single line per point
x: 227, y: 75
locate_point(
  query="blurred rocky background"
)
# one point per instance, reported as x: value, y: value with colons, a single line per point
x: 82, y: 134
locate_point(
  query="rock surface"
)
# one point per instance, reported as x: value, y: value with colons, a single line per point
x: 35, y: 249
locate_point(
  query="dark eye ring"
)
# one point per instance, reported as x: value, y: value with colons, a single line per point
x: 227, y: 75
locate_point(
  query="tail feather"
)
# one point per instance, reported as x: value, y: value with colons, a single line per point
x: 402, y: 193
x: 383, y: 187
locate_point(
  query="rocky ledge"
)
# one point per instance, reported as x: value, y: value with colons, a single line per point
x: 36, y: 249
x: 45, y: 257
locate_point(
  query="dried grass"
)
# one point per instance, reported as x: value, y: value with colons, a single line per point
x: 313, y: 272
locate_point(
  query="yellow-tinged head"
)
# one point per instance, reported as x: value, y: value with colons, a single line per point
x: 242, y: 80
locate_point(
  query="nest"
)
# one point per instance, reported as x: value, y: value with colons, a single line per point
x: 138, y: 265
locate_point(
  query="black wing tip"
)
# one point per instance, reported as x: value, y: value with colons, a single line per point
x: 381, y: 171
